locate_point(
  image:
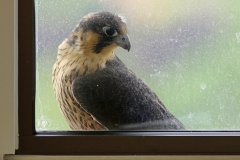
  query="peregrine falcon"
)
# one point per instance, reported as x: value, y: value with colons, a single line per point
x: 94, y: 88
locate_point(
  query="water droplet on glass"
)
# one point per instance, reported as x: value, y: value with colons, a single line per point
x: 203, y: 86
x: 238, y: 37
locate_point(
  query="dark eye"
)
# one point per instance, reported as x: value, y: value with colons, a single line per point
x: 110, y: 31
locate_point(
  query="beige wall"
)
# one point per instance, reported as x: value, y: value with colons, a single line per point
x: 8, y: 89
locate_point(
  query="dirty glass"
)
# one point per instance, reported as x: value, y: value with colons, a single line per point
x: 186, y: 51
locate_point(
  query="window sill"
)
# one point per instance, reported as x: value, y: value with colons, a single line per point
x: 23, y: 157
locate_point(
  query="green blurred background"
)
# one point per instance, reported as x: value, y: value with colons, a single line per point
x: 187, y: 51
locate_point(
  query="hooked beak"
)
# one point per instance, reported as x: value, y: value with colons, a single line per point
x: 123, y: 41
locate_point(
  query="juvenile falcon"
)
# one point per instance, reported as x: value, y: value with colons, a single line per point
x: 93, y: 87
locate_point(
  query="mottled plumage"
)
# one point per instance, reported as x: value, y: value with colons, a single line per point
x: 95, y: 90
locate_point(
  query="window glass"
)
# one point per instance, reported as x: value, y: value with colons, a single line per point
x: 186, y: 51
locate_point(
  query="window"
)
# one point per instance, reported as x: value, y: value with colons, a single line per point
x: 187, y: 56
x: 95, y: 142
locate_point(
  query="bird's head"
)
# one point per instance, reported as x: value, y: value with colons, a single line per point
x: 101, y: 33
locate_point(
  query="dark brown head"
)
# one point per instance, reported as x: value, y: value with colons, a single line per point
x: 102, y: 32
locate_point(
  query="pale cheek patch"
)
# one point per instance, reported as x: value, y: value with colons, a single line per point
x: 90, y: 41
x: 108, y: 50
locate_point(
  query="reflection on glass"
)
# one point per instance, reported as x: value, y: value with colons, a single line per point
x: 186, y: 52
